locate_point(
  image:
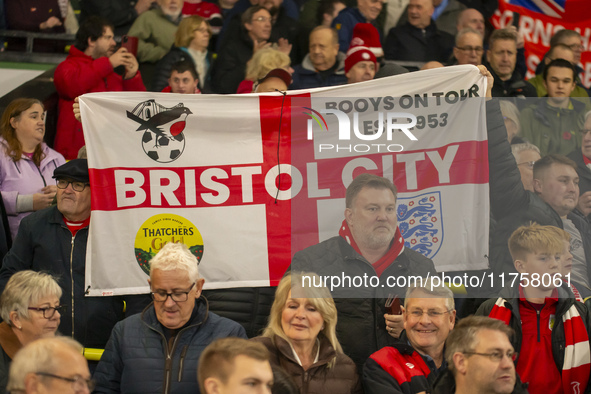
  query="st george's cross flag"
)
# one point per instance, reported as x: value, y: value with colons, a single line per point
x: 245, y: 181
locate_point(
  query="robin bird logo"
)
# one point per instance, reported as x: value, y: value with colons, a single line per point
x: 163, y: 139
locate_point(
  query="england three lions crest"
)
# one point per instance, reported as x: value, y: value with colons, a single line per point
x: 419, y: 220
x: 162, y: 139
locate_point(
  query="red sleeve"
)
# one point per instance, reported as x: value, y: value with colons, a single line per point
x: 135, y: 84
x: 73, y: 78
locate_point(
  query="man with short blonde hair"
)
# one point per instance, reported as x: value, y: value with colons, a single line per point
x: 235, y: 366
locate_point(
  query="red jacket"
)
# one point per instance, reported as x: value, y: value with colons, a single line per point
x: 77, y: 75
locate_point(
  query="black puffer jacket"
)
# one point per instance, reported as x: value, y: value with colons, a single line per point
x: 361, y: 328
x: 249, y: 306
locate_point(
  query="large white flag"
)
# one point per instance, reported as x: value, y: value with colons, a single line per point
x: 245, y: 181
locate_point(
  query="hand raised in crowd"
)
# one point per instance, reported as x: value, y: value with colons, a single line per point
x: 143, y: 5
x: 42, y: 200
x: 520, y: 40
x: 394, y: 324
x: 284, y: 46
x: 260, y: 45
x: 76, y: 108
x: 50, y: 23
x: 584, y: 204
x: 123, y: 58
x: 490, y: 80
x: 131, y: 66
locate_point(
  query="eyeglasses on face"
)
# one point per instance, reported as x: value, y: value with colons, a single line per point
x: 262, y: 19
x: 496, y: 356
x: 576, y: 47
x: 49, y: 311
x: 471, y: 49
x: 433, y: 314
x: 76, y: 186
x: 78, y: 382
x: 528, y: 164
x: 177, y: 296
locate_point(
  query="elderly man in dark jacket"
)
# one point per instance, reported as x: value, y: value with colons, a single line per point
x: 159, y: 349
x: 54, y: 240
x: 369, y: 245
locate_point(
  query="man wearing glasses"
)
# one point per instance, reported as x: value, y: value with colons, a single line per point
x: 552, y: 327
x: 413, y: 364
x: 54, y: 240
x: 468, y: 48
x: 50, y: 365
x: 159, y: 349
x: 480, y: 359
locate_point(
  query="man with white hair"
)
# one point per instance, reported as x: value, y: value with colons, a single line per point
x: 156, y: 29
x: 526, y: 155
x: 50, y: 365
x: 158, y: 350
x: 411, y: 365
x: 469, y: 47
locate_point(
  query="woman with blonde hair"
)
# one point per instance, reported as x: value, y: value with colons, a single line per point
x: 191, y: 43
x: 30, y: 307
x: 26, y: 162
x: 301, y: 337
x: 263, y: 61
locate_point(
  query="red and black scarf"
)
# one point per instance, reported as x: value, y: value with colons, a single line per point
x: 577, y: 358
x: 396, y: 247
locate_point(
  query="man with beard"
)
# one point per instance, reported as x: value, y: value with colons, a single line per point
x: 553, y: 124
x: 369, y: 245
x: 323, y: 65
x: 155, y: 30
x: 89, y: 68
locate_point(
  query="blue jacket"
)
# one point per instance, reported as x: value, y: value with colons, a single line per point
x: 344, y: 23
x: 139, y: 359
x: 306, y: 77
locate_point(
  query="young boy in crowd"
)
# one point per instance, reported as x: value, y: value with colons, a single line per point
x: 552, y: 327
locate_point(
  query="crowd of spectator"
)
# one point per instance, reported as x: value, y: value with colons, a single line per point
x: 531, y: 337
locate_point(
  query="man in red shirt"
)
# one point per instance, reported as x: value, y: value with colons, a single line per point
x: 90, y: 67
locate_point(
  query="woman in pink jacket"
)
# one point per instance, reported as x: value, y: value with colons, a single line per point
x: 26, y: 162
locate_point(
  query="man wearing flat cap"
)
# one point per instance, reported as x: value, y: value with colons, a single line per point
x: 54, y: 240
